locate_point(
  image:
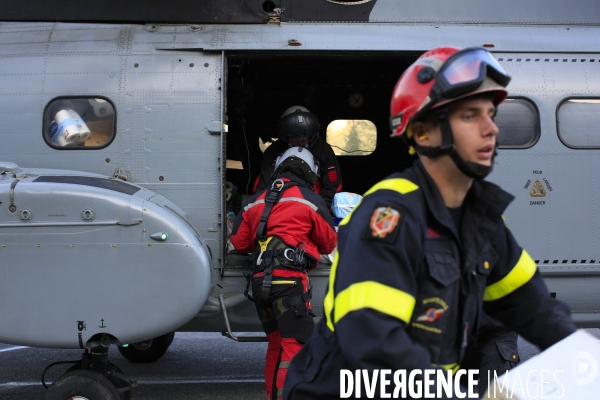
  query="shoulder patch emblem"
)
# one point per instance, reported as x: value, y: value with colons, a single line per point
x: 383, y: 221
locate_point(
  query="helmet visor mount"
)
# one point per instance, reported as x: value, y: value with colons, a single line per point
x: 465, y: 71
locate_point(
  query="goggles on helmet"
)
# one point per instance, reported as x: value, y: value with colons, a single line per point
x: 464, y: 72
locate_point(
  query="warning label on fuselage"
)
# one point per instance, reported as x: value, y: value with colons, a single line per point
x: 538, y: 188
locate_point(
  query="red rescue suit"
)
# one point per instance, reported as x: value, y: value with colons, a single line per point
x: 298, y: 217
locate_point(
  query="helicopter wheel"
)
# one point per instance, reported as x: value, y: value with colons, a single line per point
x: 148, y: 350
x: 82, y: 385
x: 118, y: 383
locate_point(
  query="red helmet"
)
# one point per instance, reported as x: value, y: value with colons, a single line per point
x: 443, y: 75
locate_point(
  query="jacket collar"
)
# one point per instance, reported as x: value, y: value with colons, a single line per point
x: 484, y: 205
x: 289, y: 177
x: 433, y: 199
x: 482, y: 212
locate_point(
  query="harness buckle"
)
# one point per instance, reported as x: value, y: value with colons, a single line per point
x: 259, y: 258
x: 299, y: 256
x: 285, y: 254
x: 277, y: 185
x: 263, y: 248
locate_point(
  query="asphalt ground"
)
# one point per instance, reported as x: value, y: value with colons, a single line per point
x: 196, y: 366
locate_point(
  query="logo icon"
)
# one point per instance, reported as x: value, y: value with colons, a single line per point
x: 585, y: 368
x: 432, y: 314
x: 537, y: 190
x: 383, y: 221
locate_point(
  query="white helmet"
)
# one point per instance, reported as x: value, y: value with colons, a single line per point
x: 299, y: 161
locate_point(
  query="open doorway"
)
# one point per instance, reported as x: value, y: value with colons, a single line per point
x: 349, y: 93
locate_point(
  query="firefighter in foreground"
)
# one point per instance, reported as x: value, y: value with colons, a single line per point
x: 426, y: 252
x: 299, y: 127
x: 287, y: 227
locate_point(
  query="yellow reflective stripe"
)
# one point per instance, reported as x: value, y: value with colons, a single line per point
x: 377, y: 296
x: 521, y: 273
x: 453, y: 367
x: 283, y: 282
x: 284, y: 364
x: 347, y: 217
x: 399, y: 185
x: 328, y: 301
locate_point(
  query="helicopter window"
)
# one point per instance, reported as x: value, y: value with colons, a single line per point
x: 79, y: 123
x: 352, y: 137
x: 577, y: 122
x: 518, y: 122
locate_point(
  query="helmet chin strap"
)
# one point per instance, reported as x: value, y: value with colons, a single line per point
x: 470, y: 169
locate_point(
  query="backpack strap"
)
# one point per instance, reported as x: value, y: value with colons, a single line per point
x: 272, y: 198
x: 277, y: 189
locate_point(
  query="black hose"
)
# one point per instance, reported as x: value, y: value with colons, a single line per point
x: 53, y: 364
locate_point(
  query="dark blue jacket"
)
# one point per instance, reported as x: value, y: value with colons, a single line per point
x: 407, y: 290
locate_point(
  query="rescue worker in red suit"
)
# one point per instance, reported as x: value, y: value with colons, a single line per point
x: 426, y: 256
x: 287, y: 227
x: 306, y: 135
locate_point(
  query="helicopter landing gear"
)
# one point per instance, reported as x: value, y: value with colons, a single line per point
x: 149, y: 350
x: 91, y: 378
